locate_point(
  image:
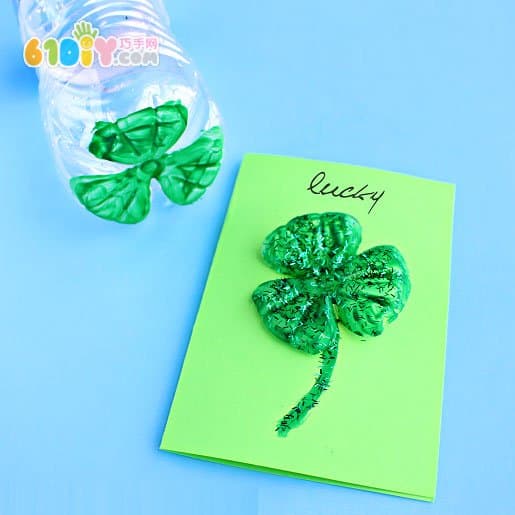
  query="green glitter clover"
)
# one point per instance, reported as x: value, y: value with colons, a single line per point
x: 142, y: 139
x: 329, y: 283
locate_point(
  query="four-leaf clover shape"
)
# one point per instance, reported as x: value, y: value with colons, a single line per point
x: 329, y: 283
x: 142, y: 139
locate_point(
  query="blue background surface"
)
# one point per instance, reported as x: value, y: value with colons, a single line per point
x: 95, y: 317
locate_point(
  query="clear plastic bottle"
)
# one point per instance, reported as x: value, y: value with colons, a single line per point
x: 73, y: 99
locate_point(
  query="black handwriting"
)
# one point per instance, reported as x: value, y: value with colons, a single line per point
x: 319, y: 186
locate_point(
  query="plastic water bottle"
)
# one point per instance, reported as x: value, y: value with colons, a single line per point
x: 75, y: 98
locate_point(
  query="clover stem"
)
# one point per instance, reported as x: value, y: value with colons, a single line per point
x: 296, y: 415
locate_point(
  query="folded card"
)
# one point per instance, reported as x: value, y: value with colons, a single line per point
x: 319, y: 347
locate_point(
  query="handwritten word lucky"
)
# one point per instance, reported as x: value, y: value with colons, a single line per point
x: 320, y: 186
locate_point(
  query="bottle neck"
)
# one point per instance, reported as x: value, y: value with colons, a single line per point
x: 56, y: 18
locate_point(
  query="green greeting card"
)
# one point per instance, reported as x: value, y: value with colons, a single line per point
x: 377, y: 424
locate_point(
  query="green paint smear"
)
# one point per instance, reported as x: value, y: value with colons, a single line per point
x: 329, y: 283
x: 142, y: 139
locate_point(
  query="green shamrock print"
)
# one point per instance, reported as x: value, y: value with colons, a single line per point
x: 329, y: 283
x: 142, y: 139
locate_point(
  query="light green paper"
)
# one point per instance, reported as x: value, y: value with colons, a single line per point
x: 379, y: 426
